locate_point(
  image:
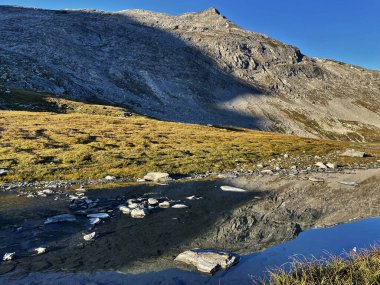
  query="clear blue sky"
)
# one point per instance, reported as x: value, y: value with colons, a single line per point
x: 346, y: 30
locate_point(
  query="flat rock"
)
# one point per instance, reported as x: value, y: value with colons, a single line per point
x: 60, y: 219
x: 157, y: 177
x: 165, y: 204
x: 353, y: 153
x: 232, y: 189
x: 124, y: 209
x: 139, y: 213
x: 152, y: 201
x: 180, y: 206
x: 208, y: 261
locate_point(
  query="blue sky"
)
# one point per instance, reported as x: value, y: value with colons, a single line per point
x: 346, y: 30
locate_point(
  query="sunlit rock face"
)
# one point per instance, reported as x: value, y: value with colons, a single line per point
x: 195, y: 67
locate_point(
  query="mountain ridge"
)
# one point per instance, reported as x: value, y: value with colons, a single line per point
x: 195, y: 67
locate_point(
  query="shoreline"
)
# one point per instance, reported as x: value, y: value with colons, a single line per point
x: 126, y: 181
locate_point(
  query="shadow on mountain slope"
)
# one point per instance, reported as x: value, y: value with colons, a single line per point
x: 84, y: 54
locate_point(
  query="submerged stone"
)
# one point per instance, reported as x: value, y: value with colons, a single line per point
x: 61, y: 218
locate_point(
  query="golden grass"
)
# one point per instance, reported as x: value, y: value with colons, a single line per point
x: 91, y: 141
x: 359, y: 268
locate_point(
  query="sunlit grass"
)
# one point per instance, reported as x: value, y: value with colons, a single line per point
x: 92, y: 141
x: 357, y: 268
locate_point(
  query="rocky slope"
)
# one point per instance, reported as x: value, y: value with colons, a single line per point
x: 196, y: 67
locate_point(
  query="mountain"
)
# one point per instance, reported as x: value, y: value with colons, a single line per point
x: 194, y: 68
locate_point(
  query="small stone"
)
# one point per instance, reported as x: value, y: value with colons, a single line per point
x: 9, y: 256
x: 164, y: 204
x: 194, y: 198
x: 139, y: 213
x: 89, y: 237
x: 269, y: 172
x: 125, y: 210
x: 180, y: 206
x: 40, y: 250
x: 152, y: 201
x: 110, y: 177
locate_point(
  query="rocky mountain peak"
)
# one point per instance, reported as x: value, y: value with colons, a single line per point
x: 195, y: 67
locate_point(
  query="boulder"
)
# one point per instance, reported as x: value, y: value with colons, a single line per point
x: 353, y: 153
x: 208, y: 261
x: 3, y: 172
x: 61, y: 218
x: 232, y: 189
x: 152, y: 201
x: 139, y: 213
x: 165, y: 204
x: 157, y: 177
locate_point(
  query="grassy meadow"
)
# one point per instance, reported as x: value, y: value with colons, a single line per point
x: 48, y: 138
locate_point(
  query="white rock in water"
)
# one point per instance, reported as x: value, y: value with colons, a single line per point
x: 353, y: 153
x: 61, y: 218
x: 110, y: 177
x: 152, y: 201
x: 315, y: 179
x: 99, y: 215
x: 191, y: 198
x: 89, y: 237
x: 157, y: 177
x: 9, y: 256
x: 40, y: 250
x: 165, y: 204
x: 139, y: 213
x: 94, y: 221
x: 124, y: 209
x: 179, y: 206
x: 232, y: 189
x: 208, y: 261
